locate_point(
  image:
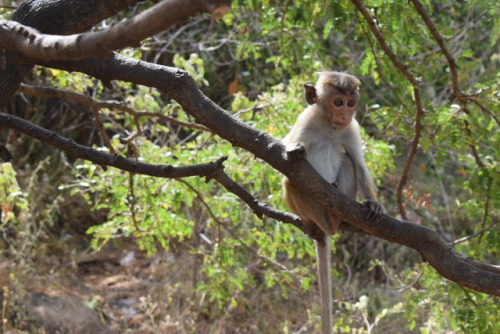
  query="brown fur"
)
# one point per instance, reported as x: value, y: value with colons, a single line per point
x: 328, y: 136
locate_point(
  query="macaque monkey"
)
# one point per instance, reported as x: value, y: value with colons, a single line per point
x: 328, y: 136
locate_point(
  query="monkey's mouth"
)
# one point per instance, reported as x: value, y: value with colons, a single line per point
x: 339, y: 125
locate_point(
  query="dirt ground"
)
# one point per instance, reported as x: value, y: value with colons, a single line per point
x: 114, y: 290
x: 120, y: 290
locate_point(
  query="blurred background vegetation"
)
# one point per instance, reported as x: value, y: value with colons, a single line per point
x: 225, y: 270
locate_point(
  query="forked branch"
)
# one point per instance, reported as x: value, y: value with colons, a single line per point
x: 416, y: 95
x: 30, y: 42
x: 180, y: 86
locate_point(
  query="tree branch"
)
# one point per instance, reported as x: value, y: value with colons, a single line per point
x: 416, y: 95
x: 259, y: 208
x: 30, y: 42
x: 280, y: 266
x: 180, y: 86
x: 112, y: 105
x: 437, y: 36
x: 56, y: 16
x: 460, y: 97
x: 102, y: 158
x: 210, y: 171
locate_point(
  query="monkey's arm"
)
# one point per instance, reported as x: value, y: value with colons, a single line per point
x: 364, y: 187
x: 299, y: 137
x: 364, y: 181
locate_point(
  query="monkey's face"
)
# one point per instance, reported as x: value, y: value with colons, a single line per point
x: 338, y: 107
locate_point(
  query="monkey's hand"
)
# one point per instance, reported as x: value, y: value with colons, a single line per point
x: 375, y: 211
x: 295, y: 151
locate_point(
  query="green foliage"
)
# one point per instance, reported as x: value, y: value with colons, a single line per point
x: 446, y: 306
x: 139, y: 206
x: 63, y: 79
x: 194, y: 66
x: 265, y: 51
x: 26, y: 213
x: 379, y: 157
x: 157, y: 212
x: 144, y: 100
x: 13, y: 200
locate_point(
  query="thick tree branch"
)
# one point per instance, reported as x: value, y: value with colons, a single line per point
x: 55, y: 17
x: 67, y: 16
x: 180, y: 86
x: 416, y: 95
x: 33, y: 44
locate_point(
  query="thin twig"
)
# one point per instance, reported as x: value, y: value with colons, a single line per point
x: 380, y: 70
x: 467, y: 294
x: 213, y: 170
x: 439, y: 39
x: 411, y: 153
x: 412, y: 284
x: 487, y: 111
x: 102, y: 132
x: 132, y: 200
x: 479, y: 162
x: 416, y: 94
x: 467, y: 238
x: 383, y: 44
x: 473, y: 149
x: 112, y: 105
x: 461, y: 98
x: 228, y: 229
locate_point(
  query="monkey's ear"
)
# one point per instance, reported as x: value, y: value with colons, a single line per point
x: 310, y: 92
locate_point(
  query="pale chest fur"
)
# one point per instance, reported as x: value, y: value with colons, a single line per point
x: 326, y: 157
x: 325, y: 146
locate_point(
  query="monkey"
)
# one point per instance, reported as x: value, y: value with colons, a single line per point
x: 327, y: 135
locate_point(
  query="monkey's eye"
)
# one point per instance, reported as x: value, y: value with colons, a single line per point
x: 338, y: 102
x: 351, y: 103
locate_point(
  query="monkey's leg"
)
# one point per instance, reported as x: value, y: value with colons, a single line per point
x: 311, y: 212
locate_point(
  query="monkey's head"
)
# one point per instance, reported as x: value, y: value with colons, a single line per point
x: 336, y: 96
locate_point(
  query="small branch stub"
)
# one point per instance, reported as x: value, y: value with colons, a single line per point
x: 219, y: 12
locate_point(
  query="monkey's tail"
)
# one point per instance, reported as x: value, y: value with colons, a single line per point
x: 325, y: 284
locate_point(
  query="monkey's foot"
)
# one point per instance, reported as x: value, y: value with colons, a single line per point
x: 316, y: 233
x: 375, y: 211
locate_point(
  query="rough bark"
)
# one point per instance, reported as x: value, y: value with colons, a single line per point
x: 46, y: 47
x: 181, y: 87
x: 55, y: 16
